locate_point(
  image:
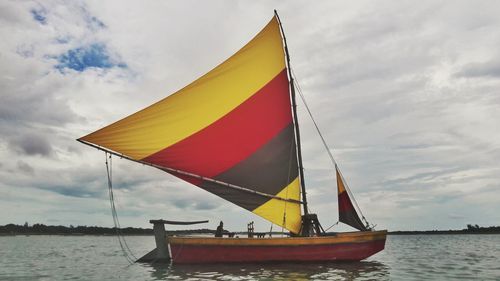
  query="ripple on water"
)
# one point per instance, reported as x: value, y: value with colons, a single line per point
x: 412, y: 257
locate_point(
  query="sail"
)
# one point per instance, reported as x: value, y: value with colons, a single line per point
x: 233, y: 125
x: 347, y: 213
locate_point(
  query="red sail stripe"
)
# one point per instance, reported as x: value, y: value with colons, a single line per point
x: 344, y: 202
x: 235, y: 136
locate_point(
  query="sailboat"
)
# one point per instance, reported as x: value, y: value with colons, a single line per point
x: 234, y: 132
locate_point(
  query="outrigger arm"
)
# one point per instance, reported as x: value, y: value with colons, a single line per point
x: 162, y: 251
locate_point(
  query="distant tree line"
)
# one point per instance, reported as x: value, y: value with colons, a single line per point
x: 42, y: 229
x: 38, y: 228
x: 471, y: 229
x: 477, y: 228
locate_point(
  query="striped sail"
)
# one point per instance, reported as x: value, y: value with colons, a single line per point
x: 233, y: 124
x: 347, y: 213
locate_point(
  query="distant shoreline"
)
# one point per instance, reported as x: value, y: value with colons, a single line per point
x: 471, y: 229
x: 395, y: 233
x: 67, y: 234
x: 41, y: 229
x: 439, y: 232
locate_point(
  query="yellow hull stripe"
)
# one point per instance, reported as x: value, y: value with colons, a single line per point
x: 349, y: 237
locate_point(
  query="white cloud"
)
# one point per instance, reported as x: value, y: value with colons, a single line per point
x: 406, y: 96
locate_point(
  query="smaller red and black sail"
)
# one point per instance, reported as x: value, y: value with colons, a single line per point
x: 347, y: 213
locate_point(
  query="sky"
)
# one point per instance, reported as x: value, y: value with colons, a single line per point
x: 406, y: 95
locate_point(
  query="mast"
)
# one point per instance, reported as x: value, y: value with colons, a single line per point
x: 295, y: 119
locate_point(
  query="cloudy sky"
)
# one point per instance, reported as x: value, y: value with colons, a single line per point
x: 406, y: 94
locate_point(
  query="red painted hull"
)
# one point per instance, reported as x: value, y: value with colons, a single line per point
x: 222, y: 250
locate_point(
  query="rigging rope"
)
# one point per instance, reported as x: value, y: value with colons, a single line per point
x: 299, y: 90
x: 127, y: 253
x: 332, y: 226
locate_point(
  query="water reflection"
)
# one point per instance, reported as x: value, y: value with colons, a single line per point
x: 365, y: 270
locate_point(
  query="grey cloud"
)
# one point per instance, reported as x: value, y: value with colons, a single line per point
x: 29, y: 104
x: 25, y: 167
x: 414, y: 146
x: 373, y: 47
x: 26, y: 50
x: 73, y: 149
x: 191, y: 204
x: 180, y: 203
x: 74, y: 191
x: 480, y: 69
x: 85, y: 184
x: 491, y: 188
x: 31, y: 144
x: 378, y: 76
x: 419, y: 178
x: 10, y: 13
x: 455, y: 216
x: 205, y: 205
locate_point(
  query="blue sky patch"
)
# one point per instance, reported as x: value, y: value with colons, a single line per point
x: 79, y: 59
x: 39, y: 15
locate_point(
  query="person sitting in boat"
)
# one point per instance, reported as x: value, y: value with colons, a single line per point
x: 220, y: 230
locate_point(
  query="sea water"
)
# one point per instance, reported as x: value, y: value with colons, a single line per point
x: 408, y: 257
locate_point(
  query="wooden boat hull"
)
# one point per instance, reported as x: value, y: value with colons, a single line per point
x: 351, y: 246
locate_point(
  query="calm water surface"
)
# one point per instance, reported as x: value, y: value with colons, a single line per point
x: 413, y: 257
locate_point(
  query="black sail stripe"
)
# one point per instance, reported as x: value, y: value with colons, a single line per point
x: 270, y: 169
x: 243, y: 199
x: 351, y: 218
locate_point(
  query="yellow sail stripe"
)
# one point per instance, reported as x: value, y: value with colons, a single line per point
x: 274, y: 209
x: 340, y: 182
x: 199, y: 104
